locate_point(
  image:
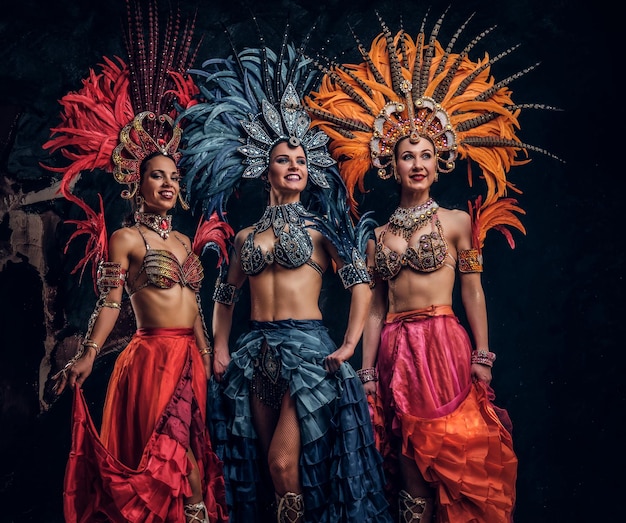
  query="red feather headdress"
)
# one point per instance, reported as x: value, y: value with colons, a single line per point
x: 124, y: 112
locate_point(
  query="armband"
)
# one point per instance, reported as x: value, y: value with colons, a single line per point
x: 355, y: 272
x: 112, y: 304
x: 470, y: 260
x: 109, y: 276
x: 225, y: 293
x: 484, y: 357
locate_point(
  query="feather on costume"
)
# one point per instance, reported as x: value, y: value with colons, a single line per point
x: 407, y: 87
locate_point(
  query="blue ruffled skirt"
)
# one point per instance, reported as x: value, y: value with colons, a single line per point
x: 340, y: 468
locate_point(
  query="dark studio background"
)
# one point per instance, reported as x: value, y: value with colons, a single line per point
x: 554, y: 302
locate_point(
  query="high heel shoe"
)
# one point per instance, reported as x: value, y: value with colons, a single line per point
x: 412, y: 509
x: 196, y: 512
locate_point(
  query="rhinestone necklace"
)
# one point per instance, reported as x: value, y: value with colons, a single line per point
x: 404, y: 221
x: 162, y: 225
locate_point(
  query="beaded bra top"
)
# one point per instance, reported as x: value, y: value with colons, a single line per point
x: 164, y: 271
x: 429, y: 255
x: 293, y: 247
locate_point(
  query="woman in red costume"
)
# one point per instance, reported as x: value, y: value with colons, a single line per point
x: 410, y: 109
x: 153, y: 460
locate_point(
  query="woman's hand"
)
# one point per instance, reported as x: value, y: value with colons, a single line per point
x: 370, y: 388
x: 75, y: 372
x: 481, y: 373
x: 221, y: 360
x: 333, y: 361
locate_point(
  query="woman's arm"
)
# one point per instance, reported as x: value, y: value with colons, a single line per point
x: 110, y: 281
x: 473, y: 298
x: 373, y: 323
x: 202, y: 341
x: 359, y: 307
x: 225, y: 297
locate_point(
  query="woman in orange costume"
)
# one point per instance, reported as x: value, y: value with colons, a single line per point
x: 153, y: 460
x: 409, y: 110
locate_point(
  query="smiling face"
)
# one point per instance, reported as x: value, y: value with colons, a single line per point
x: 160, y: 184
x: 287, y: 172
x: 416, y: 164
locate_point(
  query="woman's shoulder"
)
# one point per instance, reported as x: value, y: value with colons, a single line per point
x: 242, y: 234
x: 456, y: 222
x: 457, y: 215
x: 124, y: 234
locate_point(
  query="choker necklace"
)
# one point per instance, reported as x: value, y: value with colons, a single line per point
x: 277, y: 216
x: 162, y: 225
x: 406, y: 220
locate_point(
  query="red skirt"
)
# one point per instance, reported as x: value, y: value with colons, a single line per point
x: 429, y: 408
x: 155, y: 411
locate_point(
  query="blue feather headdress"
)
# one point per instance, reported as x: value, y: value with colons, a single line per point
x: 248, y: 103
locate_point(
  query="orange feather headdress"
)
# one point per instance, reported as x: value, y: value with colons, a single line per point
x: 414, y: 88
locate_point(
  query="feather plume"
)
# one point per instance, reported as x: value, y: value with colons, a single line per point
x: 213, y: 234
x: 498, y: 215
x: 480, y: 111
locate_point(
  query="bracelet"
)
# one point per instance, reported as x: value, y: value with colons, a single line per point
x: 483, y: 357
x: 112, y: 304
x: 207, y: 350
x: 92, y: 345
x: 365, y: 375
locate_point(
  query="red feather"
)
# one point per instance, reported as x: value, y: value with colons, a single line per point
x: 213, y: 233
x: 97, y: 242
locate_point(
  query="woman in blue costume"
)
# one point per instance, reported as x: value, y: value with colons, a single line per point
x: 300, y: 443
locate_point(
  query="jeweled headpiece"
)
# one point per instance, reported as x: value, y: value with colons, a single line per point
x: 412, y: 119
x: 136, y: 144
x: 251, y: 97
x: 417, y: 88
x: 288, y: 123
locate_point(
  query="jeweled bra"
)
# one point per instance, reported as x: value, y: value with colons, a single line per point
x: 428, y: 256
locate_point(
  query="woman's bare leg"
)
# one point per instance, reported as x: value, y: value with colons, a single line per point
x: 195, y: 510
x: 417, y: 500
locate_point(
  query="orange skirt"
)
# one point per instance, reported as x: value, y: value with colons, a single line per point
x: 155, y: 411
x: 428, y: 408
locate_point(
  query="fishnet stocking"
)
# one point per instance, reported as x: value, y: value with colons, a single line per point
x: 279, y: 436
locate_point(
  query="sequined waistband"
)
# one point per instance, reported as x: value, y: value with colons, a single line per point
x: 161, y: 331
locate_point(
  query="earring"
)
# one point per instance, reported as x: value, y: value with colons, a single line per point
x: 436, y: 176
x: 182, y: 201
x: 139, y: 200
